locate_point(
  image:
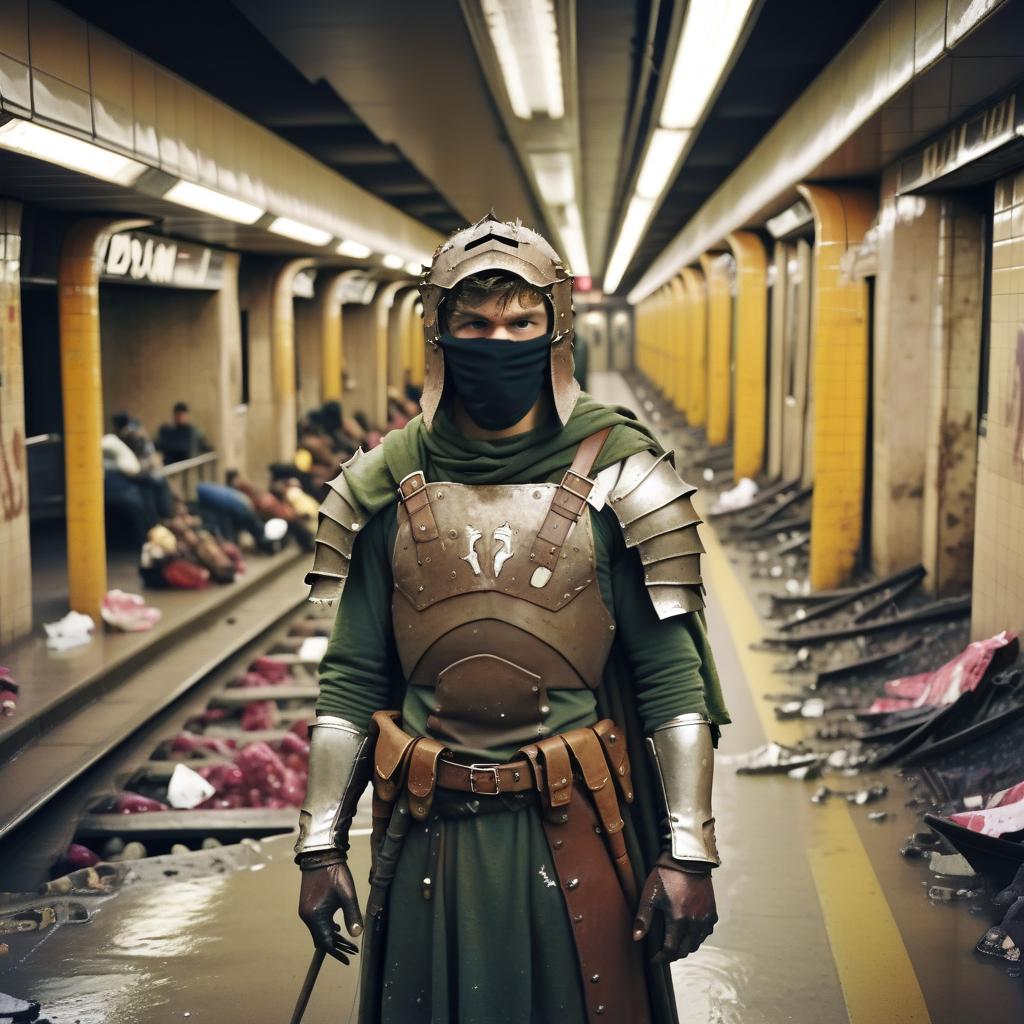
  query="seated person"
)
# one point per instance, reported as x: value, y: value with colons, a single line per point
x: 181, y: 439
x: 131, y: 432
x: 124, y: 489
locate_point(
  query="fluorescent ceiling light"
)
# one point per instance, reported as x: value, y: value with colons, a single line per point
x: 414, y: 267
x: 524, y: 34
x: 298, y: 231
x: 574, y: 243
x: 207, y: 200
x: 662, y: 156
x: 392, y: 262
x: 637, y: 216
x: 356, y: 250
x: 67, y: 151
x: 556, y: 181
x: 708, y: 39
x: 790, y: 220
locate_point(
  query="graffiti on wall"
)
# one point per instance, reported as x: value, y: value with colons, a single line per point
x: 12, y: 474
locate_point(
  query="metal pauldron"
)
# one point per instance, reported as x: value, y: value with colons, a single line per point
x: 338, y: 755
x: 683, y: 753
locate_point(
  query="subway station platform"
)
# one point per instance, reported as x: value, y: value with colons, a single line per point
x: 822, y: 922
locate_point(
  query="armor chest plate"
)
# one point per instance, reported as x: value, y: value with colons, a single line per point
x: 470, y: 622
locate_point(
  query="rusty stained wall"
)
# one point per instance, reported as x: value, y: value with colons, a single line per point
x: 998, y: 579
x: 15, y: 561
x: 905, y: 296
x: 951, y: 457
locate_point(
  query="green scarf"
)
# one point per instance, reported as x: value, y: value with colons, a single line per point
x: 542, y: 454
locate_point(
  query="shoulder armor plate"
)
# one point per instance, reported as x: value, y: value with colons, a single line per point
x: 341, y: 518
x: 654, y: 508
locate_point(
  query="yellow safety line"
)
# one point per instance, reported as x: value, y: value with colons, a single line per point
x: 878, y: 980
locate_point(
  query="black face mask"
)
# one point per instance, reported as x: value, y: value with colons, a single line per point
x: 497, y: 380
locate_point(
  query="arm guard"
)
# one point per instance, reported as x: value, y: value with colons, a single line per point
x: 684, y: 758
x: 654, y: 508
x: 341, y: 518
x: 338, y: 772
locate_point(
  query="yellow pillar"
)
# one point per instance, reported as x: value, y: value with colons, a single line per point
x: 680, y: 345
x: 398, y: 343
x: 282, y: 347
x: 78, y: 298
x: 839, y: 328
x: 716, y: 272
x: 696, y: 313
x: 751, y: 383
x: 331, y: 338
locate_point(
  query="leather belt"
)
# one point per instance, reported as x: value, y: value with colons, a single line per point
x: 486, y: 779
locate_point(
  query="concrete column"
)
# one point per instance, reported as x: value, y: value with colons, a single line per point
x: 905, y: 295
x: 78, y: 287
x: 15, y: 556
x: 840, y: 345
x: 951, y: 457
x: 678, y: 355
x: 266, y: 296
x: 751, y: 334
x: 718, y: 272
x: 417, y: 346
x: 697, y: 335
x: 366, y: 357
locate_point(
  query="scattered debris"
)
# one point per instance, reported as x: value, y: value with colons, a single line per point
x: 73, y: 630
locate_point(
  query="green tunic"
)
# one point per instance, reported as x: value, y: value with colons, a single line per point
x: 493, y: 942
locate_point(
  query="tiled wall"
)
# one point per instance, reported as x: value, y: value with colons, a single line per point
x: 15, y: 563
x: 999, y: 518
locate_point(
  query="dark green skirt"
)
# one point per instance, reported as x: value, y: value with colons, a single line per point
x: 493, y: 943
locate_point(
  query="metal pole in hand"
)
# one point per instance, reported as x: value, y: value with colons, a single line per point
x: 307, y: 986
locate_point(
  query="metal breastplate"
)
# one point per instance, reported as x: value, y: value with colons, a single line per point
x: 471, y: 621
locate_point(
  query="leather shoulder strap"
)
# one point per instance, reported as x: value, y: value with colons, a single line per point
x: 589, y: 451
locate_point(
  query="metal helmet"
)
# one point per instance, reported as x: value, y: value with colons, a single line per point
x: 492, y: 244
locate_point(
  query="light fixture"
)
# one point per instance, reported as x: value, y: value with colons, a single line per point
x: 637, y: 215
x: 662, y: 156
x: 356, y: 250
x: 298, y: 231
x: 524, y: 34
x: 208, y: 200
x: 414, y: 267
x: 556, y: 181
x: 67, y: 151
x: 790, y: 220
x: 392, y: 262
x: 573, y: 241
x: 708, y: 38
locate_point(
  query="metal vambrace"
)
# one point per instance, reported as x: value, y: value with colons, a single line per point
x: 684, y: 757
x: 338, y: 773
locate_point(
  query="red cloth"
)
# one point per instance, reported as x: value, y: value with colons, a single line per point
x: 945, y: 684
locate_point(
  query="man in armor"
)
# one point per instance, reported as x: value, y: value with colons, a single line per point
x: 519, y: 663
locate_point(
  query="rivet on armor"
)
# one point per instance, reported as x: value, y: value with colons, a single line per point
x: 564, y: 780
x: 545, y: 709
x: 536, y: 494
x: 577, y: 918
x: 564, y: 817
x: 622, y: 769
x: 612, y: 737
x: 453, y: 574
x: 572, y: 883
x: 453, y: 534
x: 420, y: 588
x: 559, y: 843
x: 423, y: 527
x: 599, y: 1009
x: 565, y: 597
x: 515, y: 776
x: 535, y: 689
x: 595, y: 978
x: 440, y: 494
x: 597, y: 830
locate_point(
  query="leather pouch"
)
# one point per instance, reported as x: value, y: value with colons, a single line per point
x: 613, y: 740
x: 422, y: 776
x: 389, y: 754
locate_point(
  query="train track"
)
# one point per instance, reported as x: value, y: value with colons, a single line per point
x: 205, y: 724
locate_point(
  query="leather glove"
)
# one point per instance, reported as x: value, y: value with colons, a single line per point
x: 324, y: 891
x: 685, y: 902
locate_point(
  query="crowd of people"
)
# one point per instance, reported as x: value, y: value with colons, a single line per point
x: 188, y: 544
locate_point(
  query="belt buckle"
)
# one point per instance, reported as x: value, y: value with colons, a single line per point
x: 493, y: 769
